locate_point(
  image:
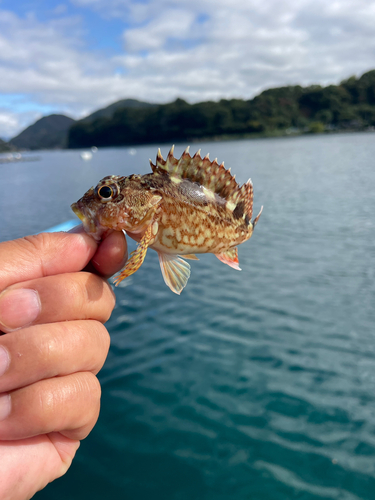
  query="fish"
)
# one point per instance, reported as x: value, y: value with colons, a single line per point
x: 186, y: 206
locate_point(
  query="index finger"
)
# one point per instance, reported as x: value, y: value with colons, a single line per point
x: 111, y: 255
x: 44, y: 254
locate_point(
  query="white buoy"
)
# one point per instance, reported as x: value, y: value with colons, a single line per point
x: 86, y: 155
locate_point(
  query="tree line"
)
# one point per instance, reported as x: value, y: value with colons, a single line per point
x: 293, y: 109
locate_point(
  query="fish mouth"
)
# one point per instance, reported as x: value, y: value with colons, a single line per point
x: 79, y: 213
x: 88, y: 222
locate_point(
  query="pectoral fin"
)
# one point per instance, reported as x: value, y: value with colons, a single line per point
x: 190, y: 256
x: 175, y: 271
x: 136, y: 258
x: 230, y: 257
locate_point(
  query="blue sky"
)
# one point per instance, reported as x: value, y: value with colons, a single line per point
x: 76, y: 56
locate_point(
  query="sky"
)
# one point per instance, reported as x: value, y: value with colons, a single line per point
x: 76, y: 56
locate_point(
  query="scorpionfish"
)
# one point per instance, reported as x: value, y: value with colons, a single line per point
x: 186, y: 206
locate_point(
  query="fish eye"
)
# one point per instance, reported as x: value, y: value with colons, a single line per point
x: 107, y: 192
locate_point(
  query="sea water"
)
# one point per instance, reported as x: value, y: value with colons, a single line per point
x: 257, y: 384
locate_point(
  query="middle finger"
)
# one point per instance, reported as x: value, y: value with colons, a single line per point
x: 63, y: 297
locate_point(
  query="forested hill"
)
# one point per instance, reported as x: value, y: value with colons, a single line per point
x: 295, y: 109
x: 50, y: 132
x: 5, y: 147
x: 109, y: 111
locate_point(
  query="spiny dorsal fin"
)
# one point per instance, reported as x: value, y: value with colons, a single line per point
x: 257, y: 217
x: 242, y: 201
x: 205, y: 172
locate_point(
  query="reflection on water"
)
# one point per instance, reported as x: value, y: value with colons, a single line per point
x: 258, y: 384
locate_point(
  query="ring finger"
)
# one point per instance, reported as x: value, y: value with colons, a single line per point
x: 69, y: 405
x: 47, y: 351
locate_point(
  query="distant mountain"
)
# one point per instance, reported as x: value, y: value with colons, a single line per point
x: 275, y: 112
x: 110, y: 110
x: 50, y: 132
x: 5, y: 147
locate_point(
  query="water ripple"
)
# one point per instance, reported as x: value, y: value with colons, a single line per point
x: 256, y: 384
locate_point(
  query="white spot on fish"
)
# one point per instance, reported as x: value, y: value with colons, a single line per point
x: 176, y: 180
x: 210, y: 195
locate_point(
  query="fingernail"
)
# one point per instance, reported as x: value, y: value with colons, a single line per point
x: 18, y: 308
x: 76, y: 229
x: 4, y: 360
x: 4, y: 406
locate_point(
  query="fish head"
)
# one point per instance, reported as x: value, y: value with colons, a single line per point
x: 116, y: 203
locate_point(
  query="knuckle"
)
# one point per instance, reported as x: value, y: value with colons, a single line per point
x: 35, y: 242
x: 76, y: 294
x: 112, y: 297
x: 89, y: 395
x: 96, y: 299
x: 106, y: 297
x: 49, y: 347
x: 48, y: 403
x: 103, y: 346
x: 110, y: 302
x: 61, y: 403
x: 104, y: 339
x: 36, y: 246
x: 90, y: 387
x: 106, y: 314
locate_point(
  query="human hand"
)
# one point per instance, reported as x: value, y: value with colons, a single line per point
x: 54, y: 344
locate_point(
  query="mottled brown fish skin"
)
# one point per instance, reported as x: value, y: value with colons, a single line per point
x: 184, y: 226
x: 185, y: 206
x: 180, y: 223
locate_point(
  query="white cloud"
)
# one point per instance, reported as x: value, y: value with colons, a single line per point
x: 8, y: 124
x: 201, y: 49
x: 11, y: 123
x: 175, y: 23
